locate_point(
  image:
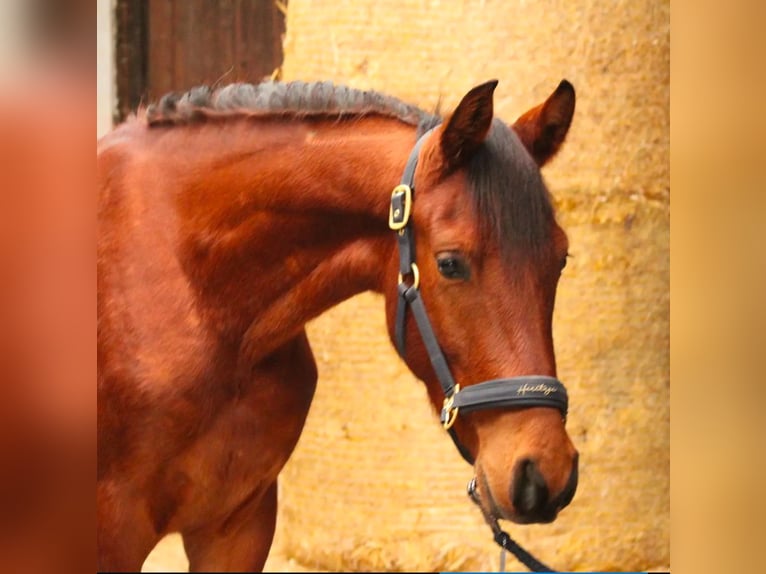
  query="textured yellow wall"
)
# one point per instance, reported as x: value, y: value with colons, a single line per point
x: 375, y: 483
x: 616, y: 53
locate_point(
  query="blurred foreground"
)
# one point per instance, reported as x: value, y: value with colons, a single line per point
x: 47, y: 288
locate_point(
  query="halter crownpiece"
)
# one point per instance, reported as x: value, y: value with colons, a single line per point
x: 515, y: 392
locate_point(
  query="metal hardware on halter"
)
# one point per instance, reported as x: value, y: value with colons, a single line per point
x: 449, y: 413
x: 415, y: 277
x: 401, y: 207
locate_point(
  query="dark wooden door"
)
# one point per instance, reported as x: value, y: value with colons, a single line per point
x: 173, y: 45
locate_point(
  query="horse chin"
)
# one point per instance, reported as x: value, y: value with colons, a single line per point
x: 493, y: 511
x: 540, y: 519
x: 498, y: 514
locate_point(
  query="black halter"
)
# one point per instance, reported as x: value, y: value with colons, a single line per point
x: 526, y: 391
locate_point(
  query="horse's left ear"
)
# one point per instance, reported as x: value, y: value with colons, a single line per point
x: 544, y: 128
x: 468, y: 126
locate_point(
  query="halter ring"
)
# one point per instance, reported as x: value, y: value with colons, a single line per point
x: 415, y: 277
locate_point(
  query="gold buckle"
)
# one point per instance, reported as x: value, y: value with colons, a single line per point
x: 393, y: 217
x: 451, y: 413
x: 415, y: 276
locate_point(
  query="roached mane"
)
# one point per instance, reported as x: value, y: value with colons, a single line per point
x: 294, y: 99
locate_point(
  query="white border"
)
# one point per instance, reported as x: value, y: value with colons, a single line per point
x: 106, y: 85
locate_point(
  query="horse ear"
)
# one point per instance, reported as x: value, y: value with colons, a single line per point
x: 468, y: 125
x: 544, y: 128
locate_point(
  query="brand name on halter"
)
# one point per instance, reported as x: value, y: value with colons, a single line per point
x: 541, y: 388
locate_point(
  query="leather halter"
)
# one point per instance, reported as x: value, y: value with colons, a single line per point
x: 517, y: 392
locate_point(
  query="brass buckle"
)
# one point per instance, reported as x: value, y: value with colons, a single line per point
x: 397, y: 220
x: 451, y: 412
x: 415, y: 276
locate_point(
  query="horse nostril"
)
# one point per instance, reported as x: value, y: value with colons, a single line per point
x: 568, y: 493
x: 530, y: 493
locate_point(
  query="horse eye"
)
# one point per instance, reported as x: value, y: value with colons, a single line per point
x: 452, y: 266
x: 564, y: 261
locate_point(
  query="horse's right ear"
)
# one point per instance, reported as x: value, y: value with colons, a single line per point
x: 543, y: 129
x: 468, y: 126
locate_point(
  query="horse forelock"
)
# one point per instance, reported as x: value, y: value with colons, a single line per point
x: 509, y: 195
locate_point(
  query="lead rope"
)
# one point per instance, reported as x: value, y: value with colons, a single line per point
x: 504, y: 540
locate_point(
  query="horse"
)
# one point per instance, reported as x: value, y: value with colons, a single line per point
x: 228, y: 217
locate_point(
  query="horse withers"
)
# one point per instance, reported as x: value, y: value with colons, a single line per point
x: 229, y: 218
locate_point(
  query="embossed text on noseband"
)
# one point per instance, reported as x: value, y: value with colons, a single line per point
x: 540, y: 388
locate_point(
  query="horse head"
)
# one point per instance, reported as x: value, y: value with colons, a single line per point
x: 488, y: 253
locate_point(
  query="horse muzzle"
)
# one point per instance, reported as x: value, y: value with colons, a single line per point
x: 530, y: 495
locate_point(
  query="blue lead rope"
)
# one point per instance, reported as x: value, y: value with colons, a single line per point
x: 507, y: 543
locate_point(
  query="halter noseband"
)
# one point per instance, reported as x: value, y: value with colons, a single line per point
x: 520, y: 392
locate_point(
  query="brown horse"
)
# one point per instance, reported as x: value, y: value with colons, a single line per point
x: 229, y: 218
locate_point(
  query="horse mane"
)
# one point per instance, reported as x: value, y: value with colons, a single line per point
x: 509, y: 195
x: 291, y: 99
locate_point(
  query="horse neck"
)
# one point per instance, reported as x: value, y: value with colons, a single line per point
x: 284, y: 221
